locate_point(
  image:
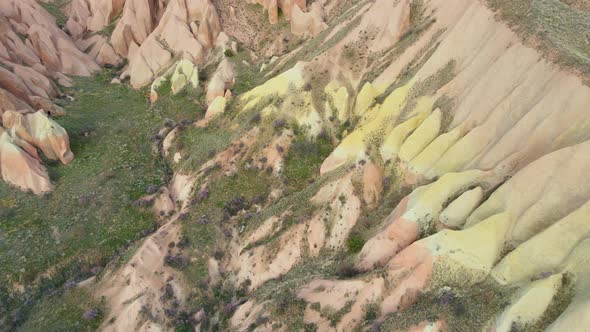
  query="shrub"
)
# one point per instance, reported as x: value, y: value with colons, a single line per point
x: 168, y: 291
x: 279, y: 123
x: 177, y: 261
x: 310, y: 327
x: 183, y: 242
x: 169, y: 123
x: 218, y: 255
x: 91, y: 314
x: 202, y: 195
x: 235, y: 205
x: 255, y: 119
x: 152, y: 189
x: 371, y: 312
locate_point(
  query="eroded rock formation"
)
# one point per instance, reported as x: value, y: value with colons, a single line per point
x: 473, y: 212
x: 185, y: 29
x: 35, y: 56
x: 459, y: 154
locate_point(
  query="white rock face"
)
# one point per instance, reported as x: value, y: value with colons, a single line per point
x: 455, y: 215
x: 42, y: 132
x: 150, y: 49
x: 223, y: 80
x: 20, y: 168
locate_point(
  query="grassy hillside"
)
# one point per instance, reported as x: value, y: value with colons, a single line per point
x: 73, y: 232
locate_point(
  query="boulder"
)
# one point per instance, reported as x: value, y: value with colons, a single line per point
x: 18, y: 27
x: 98, y: 48
x: 103, y: 13
x: 222, y: 80
x: 26, y: 13
x: 216, y: 108
x: 155, y: 87
x: 310, y: 23
x: 19, y: 168
x: 31, y: 86
x: 92, y: 15
x: 52, y: 46
x: 40, y: 131
x: 140, y: 68
x: 78, y: 12
x: 75, y: 29
x: 222, y: 40
x: 184, y: 73
x: 47, y: 106
x: 9, y: 102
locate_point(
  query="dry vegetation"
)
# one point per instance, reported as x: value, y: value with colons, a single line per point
x: 559, y: 31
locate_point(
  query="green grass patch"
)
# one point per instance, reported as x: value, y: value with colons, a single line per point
x: 198, y: 145
x: 188, y: 104
x: 464, y: 310
x: 355, y: 243
x: 295, y: 200
x: 55, y: 8
x: 107, y: 31
x: 248, y: 75
x: 303, y: 161
x: 66, y: 312
x: 207, y: 227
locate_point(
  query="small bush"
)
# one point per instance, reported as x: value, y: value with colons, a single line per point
x: 255, y: 119
x: 218, y: 255
x: 183, y: 242
x: 235, y: 205
x: 177, y: 261
x: 279, y: 123
x: 151, y: 189
x: 91, y: 314
x: 202, y: 195
x: 310, y: 327
x: 371, y: 312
